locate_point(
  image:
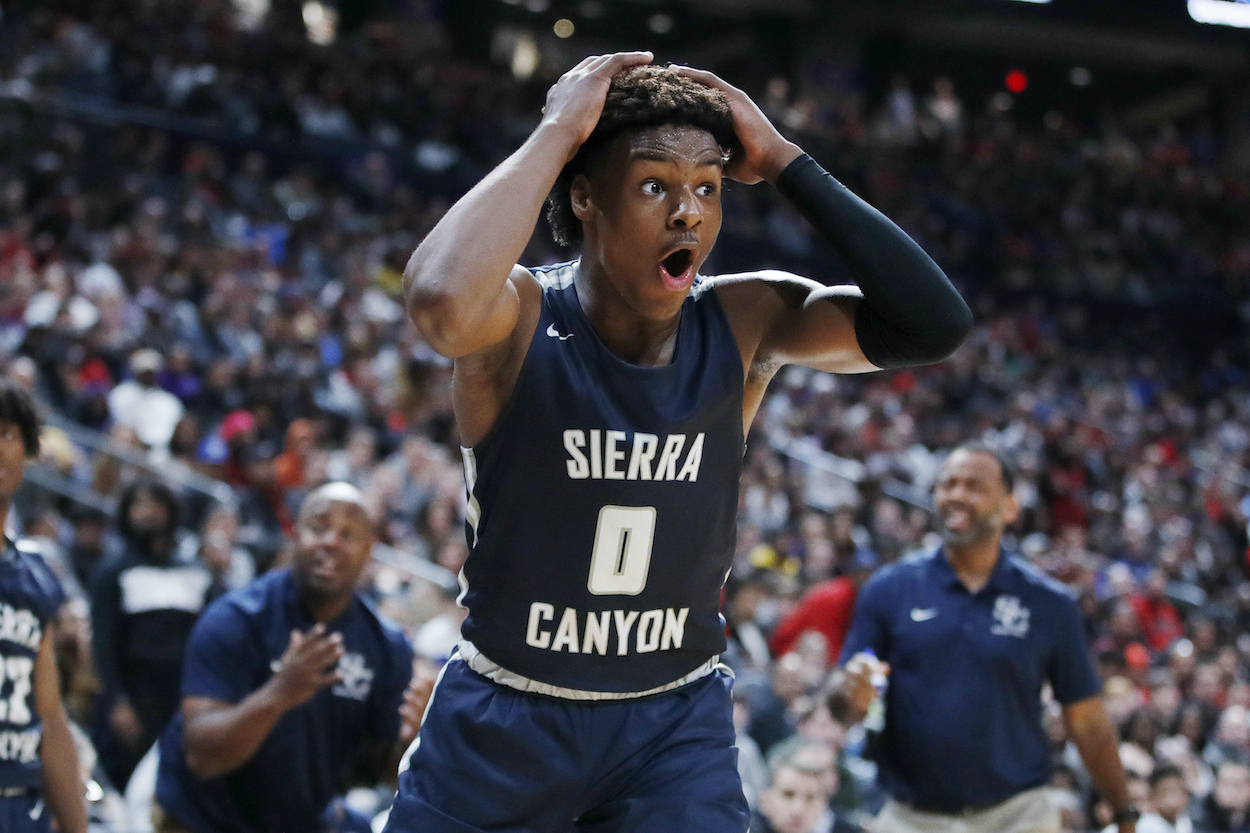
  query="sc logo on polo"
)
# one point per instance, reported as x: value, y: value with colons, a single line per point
x: 1010, y: 617
x: 357, y: 677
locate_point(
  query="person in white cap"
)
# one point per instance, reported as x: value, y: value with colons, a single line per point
x: 140, y: 403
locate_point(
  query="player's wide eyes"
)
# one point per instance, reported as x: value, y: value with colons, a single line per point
x: 652, y: 188
x: 707, y: 189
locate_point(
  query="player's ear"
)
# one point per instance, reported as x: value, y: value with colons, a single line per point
x: 580, y: 197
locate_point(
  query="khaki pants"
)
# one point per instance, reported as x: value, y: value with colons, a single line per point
x: 162, y: 823
x: 1031, y: 811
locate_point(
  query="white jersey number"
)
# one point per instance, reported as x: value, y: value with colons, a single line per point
x: 15, y: 709
x: 622, y: 553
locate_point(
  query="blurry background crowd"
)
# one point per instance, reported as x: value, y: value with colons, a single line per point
x: 205, y: 211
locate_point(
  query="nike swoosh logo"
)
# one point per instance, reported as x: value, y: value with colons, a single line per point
x: 919, y: 615
x: 551, y: 331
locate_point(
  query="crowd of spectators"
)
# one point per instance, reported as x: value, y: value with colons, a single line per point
x: 220, y: 295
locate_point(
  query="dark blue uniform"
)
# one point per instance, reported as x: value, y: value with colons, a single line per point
x: 300, y: 766
x: 963, y: 714
x: 601, y: 523
x: 30, y: 597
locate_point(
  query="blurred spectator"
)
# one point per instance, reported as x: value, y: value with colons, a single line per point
x: 143, y: 606
x: 796, y: 800
x: 87, y: 547
x: 825, y: 608
x: 1230, y: 740
x: 751, y: 766
x: 1169, y: 800
x: 1227, y: 808
x: 1160, y: 622
x: 141, y: 404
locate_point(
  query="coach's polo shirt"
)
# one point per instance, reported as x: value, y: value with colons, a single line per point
x: 235, y: 648
x: 963, y: 719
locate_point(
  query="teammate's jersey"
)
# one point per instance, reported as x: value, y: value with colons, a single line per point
x: 602, y: 505
x: 30, y: 597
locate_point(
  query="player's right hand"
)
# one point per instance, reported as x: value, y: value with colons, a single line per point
x: 309, y: 664
x: 576, y: 100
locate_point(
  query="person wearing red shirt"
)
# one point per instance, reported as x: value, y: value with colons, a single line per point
x: 826, y: 608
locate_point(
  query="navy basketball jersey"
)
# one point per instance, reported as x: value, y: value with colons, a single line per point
x: 29, y: 600
x: 602, y: 507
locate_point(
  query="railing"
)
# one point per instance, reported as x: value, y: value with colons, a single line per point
x: 850, y: 470
x: 173, y: 473
x: 50, y: 480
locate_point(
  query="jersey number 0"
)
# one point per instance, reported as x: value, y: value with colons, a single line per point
x: 622, y: 554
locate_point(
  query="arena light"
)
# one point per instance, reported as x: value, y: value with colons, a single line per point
x: 525, y: 57
x: 321, y: 21
x: 1221, y: 12
x: 660, y: 23
x: 1032, y: 1
x: 249, y: 14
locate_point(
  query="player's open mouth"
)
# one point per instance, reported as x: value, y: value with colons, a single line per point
x: 677, y: 268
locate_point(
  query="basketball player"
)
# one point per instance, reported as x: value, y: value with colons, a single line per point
x: 602, y: 406
x: 38, y: 761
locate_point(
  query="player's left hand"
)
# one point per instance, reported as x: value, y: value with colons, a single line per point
x: 765, y: 152
x: 416, y: 698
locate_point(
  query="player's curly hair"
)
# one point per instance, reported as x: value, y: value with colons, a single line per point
x: 640, y: 97
x: 17, y: 407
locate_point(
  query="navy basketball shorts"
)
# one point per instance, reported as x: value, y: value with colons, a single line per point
x: 490, y: 758
x: 24, y: 813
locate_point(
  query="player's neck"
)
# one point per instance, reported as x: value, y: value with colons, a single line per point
x: 974, y: 563
x: 631, y: 336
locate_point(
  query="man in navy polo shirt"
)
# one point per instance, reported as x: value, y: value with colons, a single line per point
x: 38, y: 760
x: 287, y: 681
x: 968, y: 636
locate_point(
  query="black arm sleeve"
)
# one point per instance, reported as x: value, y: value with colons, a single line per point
x: 911, y: 314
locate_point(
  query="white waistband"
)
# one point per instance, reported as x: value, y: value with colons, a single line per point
x: 503, y: 676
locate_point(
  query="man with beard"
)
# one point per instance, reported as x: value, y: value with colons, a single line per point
x: 968, y: 636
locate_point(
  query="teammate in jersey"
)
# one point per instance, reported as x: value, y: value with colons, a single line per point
x: 602, y: 406
x: 38, y: 762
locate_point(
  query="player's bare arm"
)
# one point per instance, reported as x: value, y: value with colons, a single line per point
x: 62, y: 778
x: 464, y: 290
x: 914, y: 315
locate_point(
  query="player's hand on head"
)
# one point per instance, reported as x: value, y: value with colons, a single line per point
x: 576, y: 100
x: 765, y: 152
x: 309, y: 664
